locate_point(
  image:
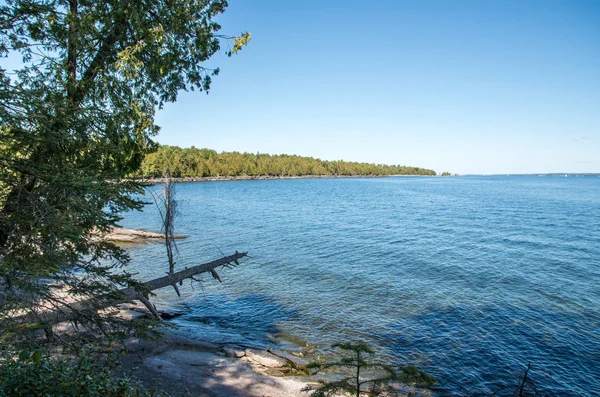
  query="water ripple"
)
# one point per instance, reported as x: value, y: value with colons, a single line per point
x: 470, y: 277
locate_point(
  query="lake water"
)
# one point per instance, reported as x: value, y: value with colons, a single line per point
x: 470, y: 278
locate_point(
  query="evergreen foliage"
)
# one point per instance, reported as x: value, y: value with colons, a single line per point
x: 75, y: 119
x: 378, y: 381
x: 193, y: 162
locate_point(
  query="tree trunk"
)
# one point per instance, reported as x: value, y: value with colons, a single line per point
x: 72, y: 52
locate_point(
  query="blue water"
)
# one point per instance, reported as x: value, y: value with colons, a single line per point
x: 470, y: 277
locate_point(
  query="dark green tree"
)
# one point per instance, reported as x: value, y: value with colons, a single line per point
x: 362, y: 376
x: 77, y: 117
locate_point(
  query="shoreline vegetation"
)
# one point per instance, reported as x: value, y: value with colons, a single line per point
x: 259, y: 178
x: 206, y: 164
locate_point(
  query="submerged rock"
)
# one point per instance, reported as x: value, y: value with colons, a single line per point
x: 266, y: 359
x: 295, y: 362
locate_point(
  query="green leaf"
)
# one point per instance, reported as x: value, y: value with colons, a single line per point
x: 36, y: 357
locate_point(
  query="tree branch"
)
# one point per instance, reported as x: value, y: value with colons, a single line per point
x: 105, y: 53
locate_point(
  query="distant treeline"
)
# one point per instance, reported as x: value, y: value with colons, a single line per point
x: 193, y: 162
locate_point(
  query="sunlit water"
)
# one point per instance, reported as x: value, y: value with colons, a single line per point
x: 471, y: 277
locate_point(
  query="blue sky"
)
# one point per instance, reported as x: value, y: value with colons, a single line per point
x: 465, y: 86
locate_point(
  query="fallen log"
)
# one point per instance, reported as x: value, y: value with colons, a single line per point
x: 82, y: 309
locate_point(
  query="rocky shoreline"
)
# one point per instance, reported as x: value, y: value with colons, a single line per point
x: 176, y: 364
x: 123, y: 235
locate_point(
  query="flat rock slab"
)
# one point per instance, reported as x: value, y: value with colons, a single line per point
x: 169, y: 341
x: 209, y: 374
x: 142, y: 346
x: 266, y: 359
x: 123, y: 235
x: 233, y: 351
x: 296, y: 362
x: 184, y: 342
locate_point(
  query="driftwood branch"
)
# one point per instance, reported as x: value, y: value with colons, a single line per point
x: 81, y: 309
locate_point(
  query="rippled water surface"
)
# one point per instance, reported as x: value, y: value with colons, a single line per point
x: 470, y: 277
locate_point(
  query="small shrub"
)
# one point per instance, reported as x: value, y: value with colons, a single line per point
x: 353, y: 366
x: 32, y: 374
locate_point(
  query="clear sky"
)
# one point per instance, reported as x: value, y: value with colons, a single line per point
x: 467, y: 86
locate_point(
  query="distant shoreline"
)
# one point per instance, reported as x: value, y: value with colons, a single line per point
x: 262, y: 178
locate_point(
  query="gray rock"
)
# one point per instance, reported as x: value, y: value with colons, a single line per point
x: 296, y: 362
x: 233, y: 351
x: 181, y: 341
x: 143, y: 346
x: 206, y: 374
x: 266, y: 359
x: 166, y: 368
x: 142, y: 312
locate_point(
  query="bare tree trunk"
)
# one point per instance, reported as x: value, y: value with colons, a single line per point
x: 170, y: 211
x: 167, y: 208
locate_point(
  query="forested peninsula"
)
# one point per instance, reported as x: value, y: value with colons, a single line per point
x: 206, y: 163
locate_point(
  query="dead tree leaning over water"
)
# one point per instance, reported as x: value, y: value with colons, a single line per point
x: 168, y: 209
x: 78, y: 310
